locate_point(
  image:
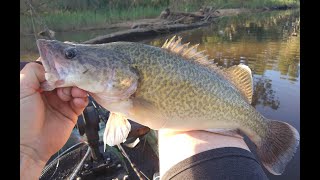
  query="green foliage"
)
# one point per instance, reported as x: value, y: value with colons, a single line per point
x: 60, y: 15
x: 72, y: 20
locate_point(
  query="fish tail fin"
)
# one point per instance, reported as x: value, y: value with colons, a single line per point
x: 278, y: 147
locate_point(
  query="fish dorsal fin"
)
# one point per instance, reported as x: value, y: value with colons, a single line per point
x: 190, y: 53
x: 183, y: 50
x: 241, y: 77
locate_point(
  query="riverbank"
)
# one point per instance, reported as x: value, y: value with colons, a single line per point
x: 154, y: 18
x: 132, y: 23
x: 65, y: 19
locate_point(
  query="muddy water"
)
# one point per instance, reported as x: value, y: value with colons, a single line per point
x: 269, y: 43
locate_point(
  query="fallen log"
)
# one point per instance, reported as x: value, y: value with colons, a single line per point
x: 168, y: 22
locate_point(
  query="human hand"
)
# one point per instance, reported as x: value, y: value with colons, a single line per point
x: 47, y: 118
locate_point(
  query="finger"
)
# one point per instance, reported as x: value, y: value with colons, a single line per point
x: 78, y: 104
x: 64, y: 93
x: 78, y: 93
x: 59, y: 106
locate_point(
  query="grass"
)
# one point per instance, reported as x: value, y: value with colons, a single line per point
x: 251, y: 4
x: 63, y: 20
x: 268, y: 3
x: 66, y: 20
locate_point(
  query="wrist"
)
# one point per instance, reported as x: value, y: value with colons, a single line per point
x: 33, y: 154
x: 29, y: 167
x: 31, y: 164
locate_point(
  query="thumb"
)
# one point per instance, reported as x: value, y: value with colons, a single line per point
x: 30, y: 78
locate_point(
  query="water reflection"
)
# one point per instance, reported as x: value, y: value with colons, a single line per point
x: 262, y: 41
x: 264, y: 94
x: 266, y: 41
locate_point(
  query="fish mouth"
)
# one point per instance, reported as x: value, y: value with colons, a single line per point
x: 47, y: 60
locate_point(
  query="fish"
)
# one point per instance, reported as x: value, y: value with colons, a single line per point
x: 170, y: 87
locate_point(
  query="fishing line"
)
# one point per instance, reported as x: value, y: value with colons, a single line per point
x: 35, y: 18
x: 56, y: 165
x: 33, y: 27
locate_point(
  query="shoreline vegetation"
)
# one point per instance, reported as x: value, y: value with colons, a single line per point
x: 75, y: 15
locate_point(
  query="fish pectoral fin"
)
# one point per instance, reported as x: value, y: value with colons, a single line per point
x: 117, y: 129
x: 226, y: 132
x: 145, y: 113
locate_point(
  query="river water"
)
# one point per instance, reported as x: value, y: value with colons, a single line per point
x: 269, y: 43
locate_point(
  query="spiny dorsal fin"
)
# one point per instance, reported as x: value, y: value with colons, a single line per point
x: 183, y: 50
x: 240, y: 75
x: 191, y: 53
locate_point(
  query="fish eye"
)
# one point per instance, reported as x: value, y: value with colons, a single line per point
x: 70, y: 53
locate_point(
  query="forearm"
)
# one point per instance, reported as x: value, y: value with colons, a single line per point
x: 177, y: 146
